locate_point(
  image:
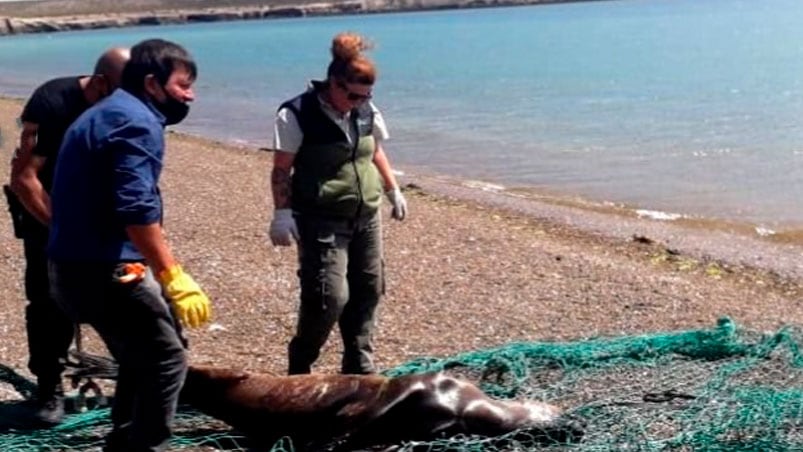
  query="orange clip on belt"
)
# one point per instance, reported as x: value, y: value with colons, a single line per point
x: 132, y: 272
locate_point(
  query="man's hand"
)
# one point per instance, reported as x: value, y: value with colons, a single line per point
x: 398, y: 202
x: 283, y: 228
x: 190, y: 303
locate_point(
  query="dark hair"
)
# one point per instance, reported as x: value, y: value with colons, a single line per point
x: 157, y: 57
x: 348, y: 62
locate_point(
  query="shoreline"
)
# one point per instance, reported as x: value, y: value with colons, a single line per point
x: 668, y: 198
x: 701, y: 239
x: 694, y: 239
x: 56, y: 22
x: 468, y: 269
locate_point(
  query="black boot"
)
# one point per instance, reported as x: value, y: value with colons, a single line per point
x: 50, y: 405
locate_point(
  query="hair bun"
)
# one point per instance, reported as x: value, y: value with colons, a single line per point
x: 348, y: 46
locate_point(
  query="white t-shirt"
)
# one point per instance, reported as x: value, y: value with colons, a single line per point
x: 287, y: 134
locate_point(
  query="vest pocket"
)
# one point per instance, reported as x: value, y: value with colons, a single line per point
x: 338, y: 192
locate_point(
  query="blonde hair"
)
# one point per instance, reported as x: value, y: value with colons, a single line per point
x: 348, y: 62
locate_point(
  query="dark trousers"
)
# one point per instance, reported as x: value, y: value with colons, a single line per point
x: 341, y: 278
x: 50, y: 330
x: 139, y: 329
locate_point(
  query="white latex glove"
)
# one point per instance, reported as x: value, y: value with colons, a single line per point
x: 398, y: 202
x: 283, y: 228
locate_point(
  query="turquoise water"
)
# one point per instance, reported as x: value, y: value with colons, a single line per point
x: 685, y: 106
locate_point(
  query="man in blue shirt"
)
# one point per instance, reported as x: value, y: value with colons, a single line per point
x: 108, y: 259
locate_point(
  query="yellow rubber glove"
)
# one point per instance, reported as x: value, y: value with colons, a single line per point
x: 191, y: 304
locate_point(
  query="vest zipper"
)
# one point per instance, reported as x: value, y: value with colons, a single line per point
x: 353, y: 119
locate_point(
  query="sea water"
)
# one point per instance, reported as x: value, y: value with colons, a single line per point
x: 686, y: 107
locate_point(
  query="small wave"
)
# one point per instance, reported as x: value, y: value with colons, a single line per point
x: 484, y: 186
x: 582, y: 150
x: 658, y: 215
x: 240, y: 142
x: 712, y: 152
x: 764, y: 232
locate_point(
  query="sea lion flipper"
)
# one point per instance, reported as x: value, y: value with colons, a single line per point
x: 219, y: 374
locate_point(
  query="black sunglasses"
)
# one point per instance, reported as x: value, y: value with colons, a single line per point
x: 352, y: 96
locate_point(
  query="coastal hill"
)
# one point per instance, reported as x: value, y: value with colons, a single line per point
x: 61, y: 15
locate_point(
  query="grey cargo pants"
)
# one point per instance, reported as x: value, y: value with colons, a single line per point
x: 341, y: 278
x: 139, y: 328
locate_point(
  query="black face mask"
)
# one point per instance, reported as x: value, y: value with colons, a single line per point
x: 173, y: 109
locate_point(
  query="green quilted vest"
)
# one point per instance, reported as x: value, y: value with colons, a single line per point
x: 330, y: 176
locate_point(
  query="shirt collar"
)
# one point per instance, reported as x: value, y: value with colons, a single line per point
x: 148, y: 103
x: 318, y: 86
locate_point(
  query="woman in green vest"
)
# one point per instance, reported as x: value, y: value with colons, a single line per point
x: 329, y: 174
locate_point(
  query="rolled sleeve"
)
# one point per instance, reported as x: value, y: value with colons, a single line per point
x: 287, y: 134
x: 40, y: 112
x: 137, y: 153
x: 380, y: 128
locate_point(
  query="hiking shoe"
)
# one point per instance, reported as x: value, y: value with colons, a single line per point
x: 50, y: 410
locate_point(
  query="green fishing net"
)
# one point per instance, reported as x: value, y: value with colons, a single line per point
x: 718, y: 389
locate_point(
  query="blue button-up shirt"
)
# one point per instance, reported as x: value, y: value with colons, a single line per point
x: 106, y: 179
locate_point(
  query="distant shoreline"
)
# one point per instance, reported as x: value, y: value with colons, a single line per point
x: 54, y: 21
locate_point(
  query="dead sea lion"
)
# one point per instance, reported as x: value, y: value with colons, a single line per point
x: 363, y: 410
